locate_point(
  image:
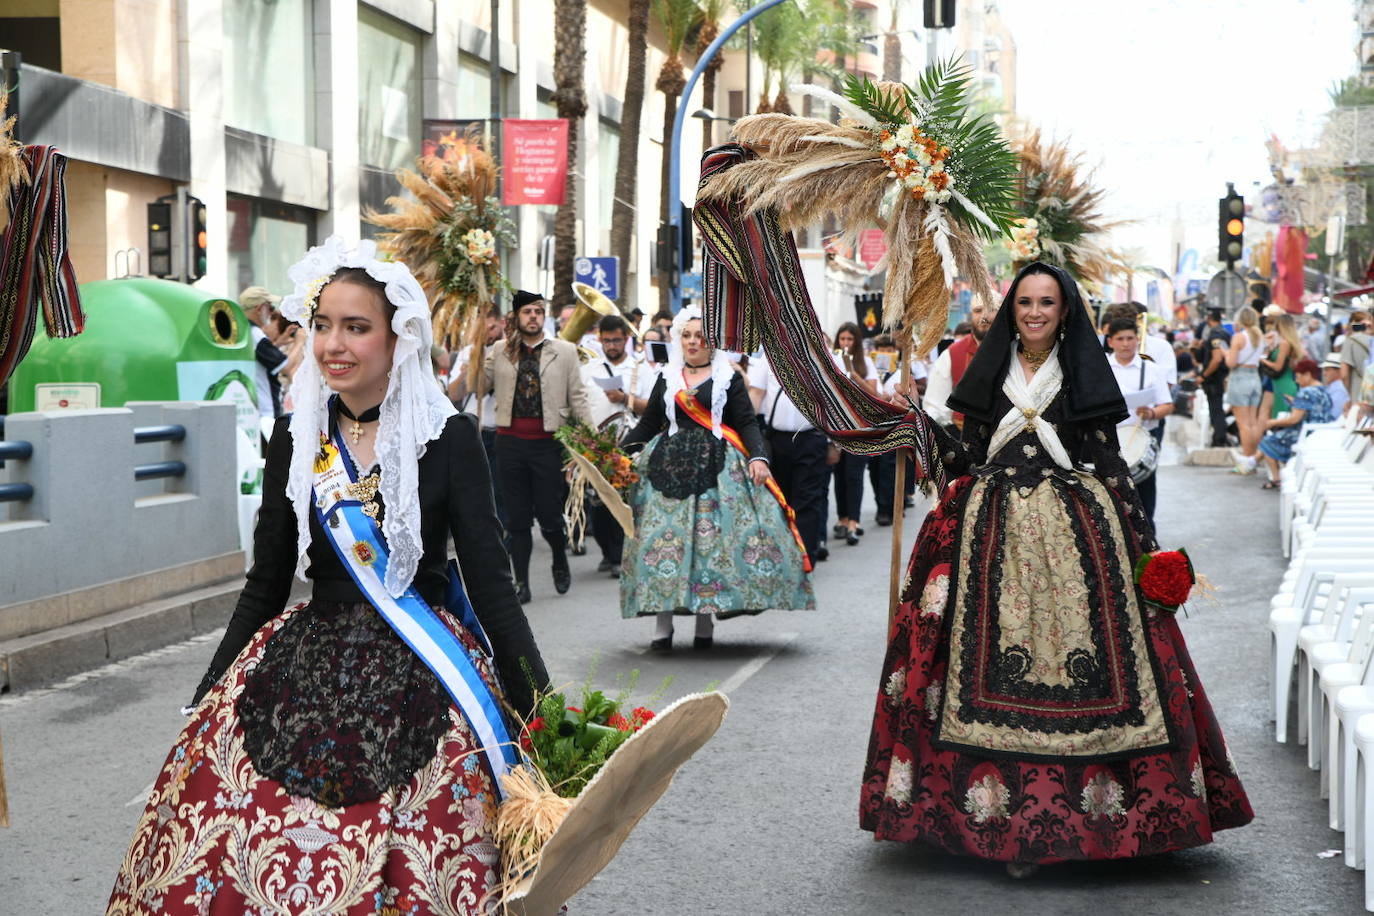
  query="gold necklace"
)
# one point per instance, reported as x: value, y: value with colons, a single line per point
x: 1036, y: 358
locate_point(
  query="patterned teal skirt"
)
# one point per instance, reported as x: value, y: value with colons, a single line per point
x: 717, y: 545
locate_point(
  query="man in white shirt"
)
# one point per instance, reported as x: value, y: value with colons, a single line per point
x: 882, y: 469
x: 1135, y: 376
x: 482, y: 409
x: 797, y: 455
x: 618, y: 406
x: 950, y: 366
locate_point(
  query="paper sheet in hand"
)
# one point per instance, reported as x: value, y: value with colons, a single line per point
x: 1138, y: 399
x: 609, y: 383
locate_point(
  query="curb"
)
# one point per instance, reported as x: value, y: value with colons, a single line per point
x: 32, y: 661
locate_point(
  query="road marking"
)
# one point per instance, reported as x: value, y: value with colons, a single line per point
x: 14, y: 699
x: 753, y: 666
x: 142, y: 797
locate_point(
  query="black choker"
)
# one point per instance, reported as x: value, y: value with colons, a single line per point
x: 369, y: 415
x: 355, y: 434
x: 702, y: 366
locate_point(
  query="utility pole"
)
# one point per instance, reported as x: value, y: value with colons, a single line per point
x: 496, y: 82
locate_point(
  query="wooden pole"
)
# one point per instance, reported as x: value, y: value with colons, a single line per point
x: 898, y: 505
x: 4, y: 801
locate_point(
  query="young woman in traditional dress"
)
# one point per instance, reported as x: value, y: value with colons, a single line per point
x: 327, y: 766
x: 1032, y: 708
x: 713, y: 535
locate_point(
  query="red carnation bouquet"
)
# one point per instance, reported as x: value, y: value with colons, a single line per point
x: 1166, y: 578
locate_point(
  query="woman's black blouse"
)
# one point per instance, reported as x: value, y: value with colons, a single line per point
x: 738, y: 414
x: 455, y: 500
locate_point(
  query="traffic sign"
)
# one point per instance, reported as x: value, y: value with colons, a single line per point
x: 601, y: 274
x: 1226, y: 290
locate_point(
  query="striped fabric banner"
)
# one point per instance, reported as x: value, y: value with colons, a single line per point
x: 35, y: 266
x: 754, y: 292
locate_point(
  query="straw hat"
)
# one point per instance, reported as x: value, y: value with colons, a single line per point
x: 621, y: 793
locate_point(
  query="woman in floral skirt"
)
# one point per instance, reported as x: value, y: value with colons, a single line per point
x: 1033, y: 708
x: 326, y: 767
x: 713, y: 535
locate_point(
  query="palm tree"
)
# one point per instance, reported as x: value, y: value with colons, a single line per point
x: 627, y: 165
x: 892, y: 51
x: 570, y: 100
x: 676, y: 17
x: 711, y: 13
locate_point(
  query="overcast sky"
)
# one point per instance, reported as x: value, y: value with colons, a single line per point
x: 1170, y: 99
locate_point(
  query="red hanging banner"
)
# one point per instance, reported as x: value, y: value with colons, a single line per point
x: 535, y: 160
x: 872, y: 247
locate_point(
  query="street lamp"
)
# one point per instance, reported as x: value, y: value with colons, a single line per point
x: 706, y: 114
x: 675, y: 153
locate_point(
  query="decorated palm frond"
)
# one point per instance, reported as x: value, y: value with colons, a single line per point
x: 1059, y: 216
x: 917, y: 161
x: 447, y: 232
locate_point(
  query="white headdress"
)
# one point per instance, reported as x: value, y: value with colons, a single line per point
x: 414, y: 410
x: 721, y: 371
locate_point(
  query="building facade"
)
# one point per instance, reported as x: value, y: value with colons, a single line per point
x: 287, y: 118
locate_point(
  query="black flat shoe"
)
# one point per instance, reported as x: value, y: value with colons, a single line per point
x: 562, y: 577
x: 662, y: 646
x: 851, y: 538
x: 822, y: 554
x: 882, y: 521
x: 839, y: 531
x: 605, y: 566
x: 703, y: 642
x: 522, y: 593
x: 579, y: 550
x: 859, y: 531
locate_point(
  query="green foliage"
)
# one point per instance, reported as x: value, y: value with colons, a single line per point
x: 983, y: 167
x: 569, y: 744
x: 1350, y: 92
x: 676, y: 17
x: 457, y: 273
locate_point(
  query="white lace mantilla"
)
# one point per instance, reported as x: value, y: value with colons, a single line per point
x: 721, y: 370
x: 414, y: 410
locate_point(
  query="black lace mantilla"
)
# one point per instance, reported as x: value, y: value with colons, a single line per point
x: 688, y: 463
x: 339, y: 709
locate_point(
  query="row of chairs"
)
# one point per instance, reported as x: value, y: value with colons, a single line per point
x: 1321, y: 623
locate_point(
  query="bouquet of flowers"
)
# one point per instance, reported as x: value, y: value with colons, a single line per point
x: 1025, y: 239
x: 601, y: 449
x: 481, y: 246
x: 588, y: 774
x: 569, y: 744
x: 1166, y: 578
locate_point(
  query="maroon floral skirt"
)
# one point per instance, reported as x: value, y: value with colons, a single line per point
x: 325, y: 773
x: 1032, y: 709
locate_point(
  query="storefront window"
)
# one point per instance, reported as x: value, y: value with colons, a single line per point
x: 269, y: 85
x: 265, y: 239
x: 389, y: 92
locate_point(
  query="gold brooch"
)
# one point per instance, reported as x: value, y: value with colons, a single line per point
x: 364, y: 490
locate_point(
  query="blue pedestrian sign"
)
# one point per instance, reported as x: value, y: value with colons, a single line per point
x: 601, y: 274
x: 691, y: 286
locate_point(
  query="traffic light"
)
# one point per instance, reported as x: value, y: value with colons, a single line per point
x: 195, y: 219
x: 1230, y: 226
x: 160, y: 238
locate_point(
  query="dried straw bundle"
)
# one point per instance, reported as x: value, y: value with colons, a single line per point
x: 529, y: 816
x: 12, y: 169
x: 1055, y: 189
x: 447, y: 198
x: 809, y: 169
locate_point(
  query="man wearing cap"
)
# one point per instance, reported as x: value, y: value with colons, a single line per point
x: 257, y: 303
x: 1335, y: 385
x: 1212, y: 372
x: 538, y: 385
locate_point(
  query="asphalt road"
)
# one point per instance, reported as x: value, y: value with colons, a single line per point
x: 764, y: 819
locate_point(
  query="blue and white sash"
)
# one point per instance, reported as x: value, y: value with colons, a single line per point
x: 359, y: 544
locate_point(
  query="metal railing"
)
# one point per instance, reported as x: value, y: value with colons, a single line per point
x: 152, y: 470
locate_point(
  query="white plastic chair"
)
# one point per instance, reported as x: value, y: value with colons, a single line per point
x: 1323, y: 648
x: 1290, y: 612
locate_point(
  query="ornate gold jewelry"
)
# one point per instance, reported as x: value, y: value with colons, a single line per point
x: 364, y: 490
x: 1036, y: 358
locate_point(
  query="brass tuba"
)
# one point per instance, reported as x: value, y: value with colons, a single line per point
x: 592, y: 306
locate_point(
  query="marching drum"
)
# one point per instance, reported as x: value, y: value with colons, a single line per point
x: 1139, y: 450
